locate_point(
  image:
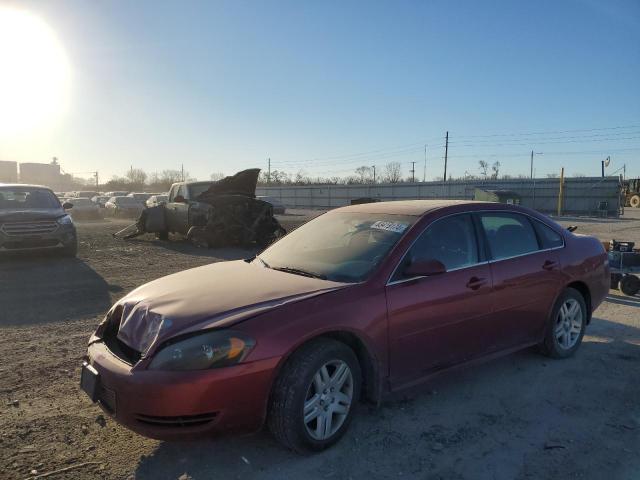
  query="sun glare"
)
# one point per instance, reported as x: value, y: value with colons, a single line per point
x: 34, y: 73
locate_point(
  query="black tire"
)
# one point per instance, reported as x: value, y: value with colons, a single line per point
x: 162, y: 235
x: 630, y: 285
x: 634, y: 201
x: 70, y: 250
x: 286, y: 405
x: 551, y: 345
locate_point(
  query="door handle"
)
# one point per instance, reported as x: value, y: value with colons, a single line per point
x: 549, y: 265
x: 475, y: 283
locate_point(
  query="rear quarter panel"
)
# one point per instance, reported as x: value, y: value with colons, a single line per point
x: 584, y: 259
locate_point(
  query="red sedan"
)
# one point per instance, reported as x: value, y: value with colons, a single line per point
x: 361, y: 301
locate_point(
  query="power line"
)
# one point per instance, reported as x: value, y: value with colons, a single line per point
x: 551, y: 132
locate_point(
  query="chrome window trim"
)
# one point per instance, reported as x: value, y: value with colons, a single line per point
x: 487, y: 262
x: 395, y: 282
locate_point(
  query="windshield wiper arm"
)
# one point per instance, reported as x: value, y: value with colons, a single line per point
x: 299, y: 271
x: 265, y: 264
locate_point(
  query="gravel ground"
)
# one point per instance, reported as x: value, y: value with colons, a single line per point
x: 521, y: 416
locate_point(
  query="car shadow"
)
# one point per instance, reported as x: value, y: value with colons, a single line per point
x: 44, y: 288
x: 469, y: 423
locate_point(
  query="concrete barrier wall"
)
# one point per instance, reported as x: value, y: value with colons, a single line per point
x: 581, y: 195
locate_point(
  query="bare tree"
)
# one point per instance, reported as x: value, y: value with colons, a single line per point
x: 496, y: 170
x: 392, y: 172
x: 217, y: 176
x: 365, y: 174
x: 136, y: 177
x: 552, y: 175
x: 484, y: 167
x: 171, y: 176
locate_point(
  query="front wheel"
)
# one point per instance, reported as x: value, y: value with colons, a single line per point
x: 314, y: 397
x: 566, y: 326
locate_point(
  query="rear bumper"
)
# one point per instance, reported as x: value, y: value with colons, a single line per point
x: 183, y: 405
x: 61, y: 237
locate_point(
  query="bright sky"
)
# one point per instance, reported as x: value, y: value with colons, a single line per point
x: 328, y: 86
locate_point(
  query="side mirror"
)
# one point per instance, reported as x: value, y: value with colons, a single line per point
x: 179, y: 199
x: 67, y: 205
x: 425, y: 268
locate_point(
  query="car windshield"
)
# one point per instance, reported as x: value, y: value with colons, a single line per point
x: 27, y: 197
x: 340, y: 246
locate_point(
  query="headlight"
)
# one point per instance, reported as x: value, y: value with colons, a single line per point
x: 218, y: 348
x: 65, y: 220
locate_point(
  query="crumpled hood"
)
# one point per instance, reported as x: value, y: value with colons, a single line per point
x: 214, y: 295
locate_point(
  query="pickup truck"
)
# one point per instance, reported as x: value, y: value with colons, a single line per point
x: 183, y: 210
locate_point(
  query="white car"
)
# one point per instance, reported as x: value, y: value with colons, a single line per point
x: 140, y: 197
x: 156, y: 200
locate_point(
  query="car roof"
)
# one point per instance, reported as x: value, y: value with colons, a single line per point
x: 22, y: 185
x: 408, y: 207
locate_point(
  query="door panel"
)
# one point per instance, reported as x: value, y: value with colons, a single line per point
x: 437, y: 321
x: 524, y: 289
x: 526, y: 278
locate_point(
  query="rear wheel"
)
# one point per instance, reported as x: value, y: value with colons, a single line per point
x: 566, y: 326
x: 634, y: 201
x: 314, y: 397
x: 630, y: 285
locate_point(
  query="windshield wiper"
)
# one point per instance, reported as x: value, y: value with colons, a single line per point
x: 262, y: 261
x: 298, y: 271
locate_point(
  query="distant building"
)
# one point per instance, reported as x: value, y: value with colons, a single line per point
x: 500, y: 196
x: 40, y: 173
x: 8, y: 172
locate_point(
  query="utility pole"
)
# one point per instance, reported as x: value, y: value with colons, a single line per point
x: 446, y: 153
x: 413, y: 172
x: 531, y: 174
x: 374, y: 173
x: 532, y: 154
x: 268, y: 170
x: 561, y: 191
x: 182, y: 171
x: 424, y: 174
x: 97, y: 183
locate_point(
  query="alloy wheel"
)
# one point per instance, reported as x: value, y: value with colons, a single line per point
x: 569, y: 324
x: 328, y: 399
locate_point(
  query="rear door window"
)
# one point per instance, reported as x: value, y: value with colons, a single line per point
x: 549, y: 238
x: 508, y: 234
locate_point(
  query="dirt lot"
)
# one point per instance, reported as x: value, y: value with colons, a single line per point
x: 522, y: 416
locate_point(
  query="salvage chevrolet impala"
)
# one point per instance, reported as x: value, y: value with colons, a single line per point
x: 359, y: 302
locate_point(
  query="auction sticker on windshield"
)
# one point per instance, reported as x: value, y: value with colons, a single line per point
x: 390, y: 226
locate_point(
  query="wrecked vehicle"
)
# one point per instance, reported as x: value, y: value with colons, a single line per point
x: 359, y: 302
x: 214, y: 214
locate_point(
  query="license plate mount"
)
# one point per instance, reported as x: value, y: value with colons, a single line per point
x: 90, y: 381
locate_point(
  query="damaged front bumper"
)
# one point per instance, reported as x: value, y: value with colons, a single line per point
x: 181, y: 405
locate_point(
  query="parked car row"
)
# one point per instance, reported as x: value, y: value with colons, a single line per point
x: 117, y: 203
